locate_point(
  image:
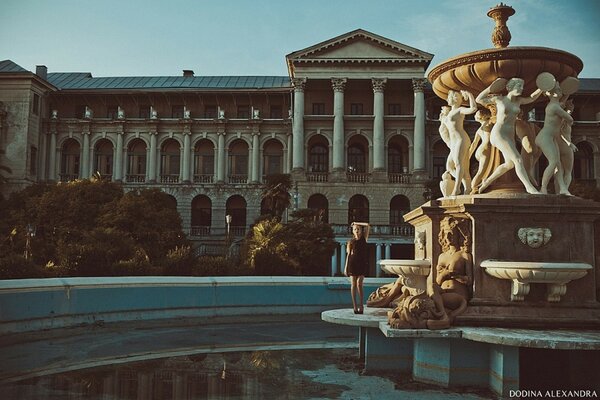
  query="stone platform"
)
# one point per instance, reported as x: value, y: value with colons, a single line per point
x: 469, y: 356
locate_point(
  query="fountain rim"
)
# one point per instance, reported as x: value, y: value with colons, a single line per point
x: 505, y: 53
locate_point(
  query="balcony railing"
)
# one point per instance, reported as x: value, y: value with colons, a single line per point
x: 238, y: 178
x: 200, y: 231
x: 203, y: 178
x: 68, y: 177
x: 398, y: 177
x: 358, y: 177
x: 317, y: 176
x: 377, y: 230
x: 171, y: 178
x: 135, y: 178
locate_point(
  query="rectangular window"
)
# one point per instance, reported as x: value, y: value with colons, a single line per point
x: 272, y: 164
x: 112, y: 112
x: 80, y: 111
x: 243, y: 111
x: 318, y: 109
x: 36, y: 104
x: 204, y: 164
x: 276, y: 112
x: 238, y: 165
x: 33, y: 160
x: 210, y: 111
x: 177, y: 111
x: 393, y: 109
x: 144, y: 112
x: 439, y: 166
x: 356, y: 109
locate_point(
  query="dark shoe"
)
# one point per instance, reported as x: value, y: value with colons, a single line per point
x: 355, y: 311
x: 360, y: 311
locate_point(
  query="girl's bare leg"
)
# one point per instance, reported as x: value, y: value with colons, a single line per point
x: 361, y: 296
x: 353, y: 290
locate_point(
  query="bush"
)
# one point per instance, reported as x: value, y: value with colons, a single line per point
x: 217, y: 266
x: 15, y: 266
x: 179, y: 261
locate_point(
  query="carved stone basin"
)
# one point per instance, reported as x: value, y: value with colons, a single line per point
x: 522, y: 273
x: 475, y: 71
x: 413, y: 273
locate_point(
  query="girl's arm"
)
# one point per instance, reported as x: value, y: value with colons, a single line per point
x: 475, y: 142
x: 532, y: 98
x: 472, y: 105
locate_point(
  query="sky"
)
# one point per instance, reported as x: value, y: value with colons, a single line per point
x: 237, y: 37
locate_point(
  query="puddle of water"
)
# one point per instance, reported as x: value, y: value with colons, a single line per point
x: 283, y: 374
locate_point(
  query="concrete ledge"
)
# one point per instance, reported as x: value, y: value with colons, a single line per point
x: 418, y: 333
x: 547, y: 339
x: 38, y: 304
x: 371, y: 318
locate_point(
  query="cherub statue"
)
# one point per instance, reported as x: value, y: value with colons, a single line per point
x: 502, y: 135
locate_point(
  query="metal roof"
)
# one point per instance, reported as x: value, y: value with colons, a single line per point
x: 10, y: 66
x: 85, y: 81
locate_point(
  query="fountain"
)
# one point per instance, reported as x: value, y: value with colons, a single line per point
x: 511, y: 243
x: 504, y: 253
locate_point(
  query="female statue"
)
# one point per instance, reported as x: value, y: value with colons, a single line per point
x: 503, y: 133
x: 482, y: 154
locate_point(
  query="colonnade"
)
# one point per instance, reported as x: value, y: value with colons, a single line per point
x: 338, y: 86
x: 383, y: 250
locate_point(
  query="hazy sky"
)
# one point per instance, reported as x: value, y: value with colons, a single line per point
x: 236, y: 37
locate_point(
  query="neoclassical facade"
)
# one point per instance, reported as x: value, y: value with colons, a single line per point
x: 354, y: 123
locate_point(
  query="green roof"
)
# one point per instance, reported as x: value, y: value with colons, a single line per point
x: 85, y: 81
x: 9, y: 66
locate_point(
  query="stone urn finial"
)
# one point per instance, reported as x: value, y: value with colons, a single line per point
x: 501, y: 35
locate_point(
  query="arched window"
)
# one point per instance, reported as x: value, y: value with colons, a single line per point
x: 201, y: 215
x: 136, y: 161
x: 439, y: 157
x: 320, y: 205
x: 357, y: 159
x: 397, y: 155
x: 358, y: 209
x: 238, y: 162
x: 583, y: 167
x: 399, y: 205
x: 204, y: 161
x: 103, y: 158
x: 169, y: 161
x: 69, y: 162
x: 236, y: 207
x: 172, y: 201
x: 318, y: 159
x: 272, y: 158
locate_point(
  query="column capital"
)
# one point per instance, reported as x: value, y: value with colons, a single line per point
x: 299, y: 84
x: 418, y: 84
x: 256, y: 133
x: 153, y: 133
x: 338, y: 84
x: 378, y: 84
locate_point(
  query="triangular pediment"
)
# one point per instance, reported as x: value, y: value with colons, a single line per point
x: 360, y: 45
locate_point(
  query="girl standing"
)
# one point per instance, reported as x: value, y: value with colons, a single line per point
x: 357, y: 263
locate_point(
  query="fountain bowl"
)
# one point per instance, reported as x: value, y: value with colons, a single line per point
x: 475, y: 71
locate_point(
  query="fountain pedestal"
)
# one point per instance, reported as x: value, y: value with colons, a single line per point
x: 523, y: 229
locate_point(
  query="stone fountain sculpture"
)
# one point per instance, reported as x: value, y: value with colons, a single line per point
x: 507, y: 253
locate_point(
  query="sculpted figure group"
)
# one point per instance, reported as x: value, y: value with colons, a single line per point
x: 448, y: 284
x: 500, y: 128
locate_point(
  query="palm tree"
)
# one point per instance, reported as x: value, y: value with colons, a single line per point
x: 276, y: 194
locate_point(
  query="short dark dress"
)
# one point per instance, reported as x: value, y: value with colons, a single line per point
x: 358, y: 260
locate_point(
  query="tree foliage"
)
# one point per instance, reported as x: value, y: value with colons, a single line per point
x: 300, y: 247
x: 89, y: 228
x: 276, y: 194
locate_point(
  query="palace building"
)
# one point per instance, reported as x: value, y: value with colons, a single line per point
x: 354, y: 123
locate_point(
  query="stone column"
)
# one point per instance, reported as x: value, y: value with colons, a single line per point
x: 118, y: 161
x: 420, y: 171
x: 290, y: 149
x: 187, y: 152
x: 52, y: 157
x: 334, y: 262
x: 388, y: 251
x: 221, y: 157
x: 377, y: 259
x: 343, y: 257
x: 255, y: 157
x: 338, y: 85
x: 152, y: 157
x: 85, y: 156
x: 298, y: 125
x: 378, y: 125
